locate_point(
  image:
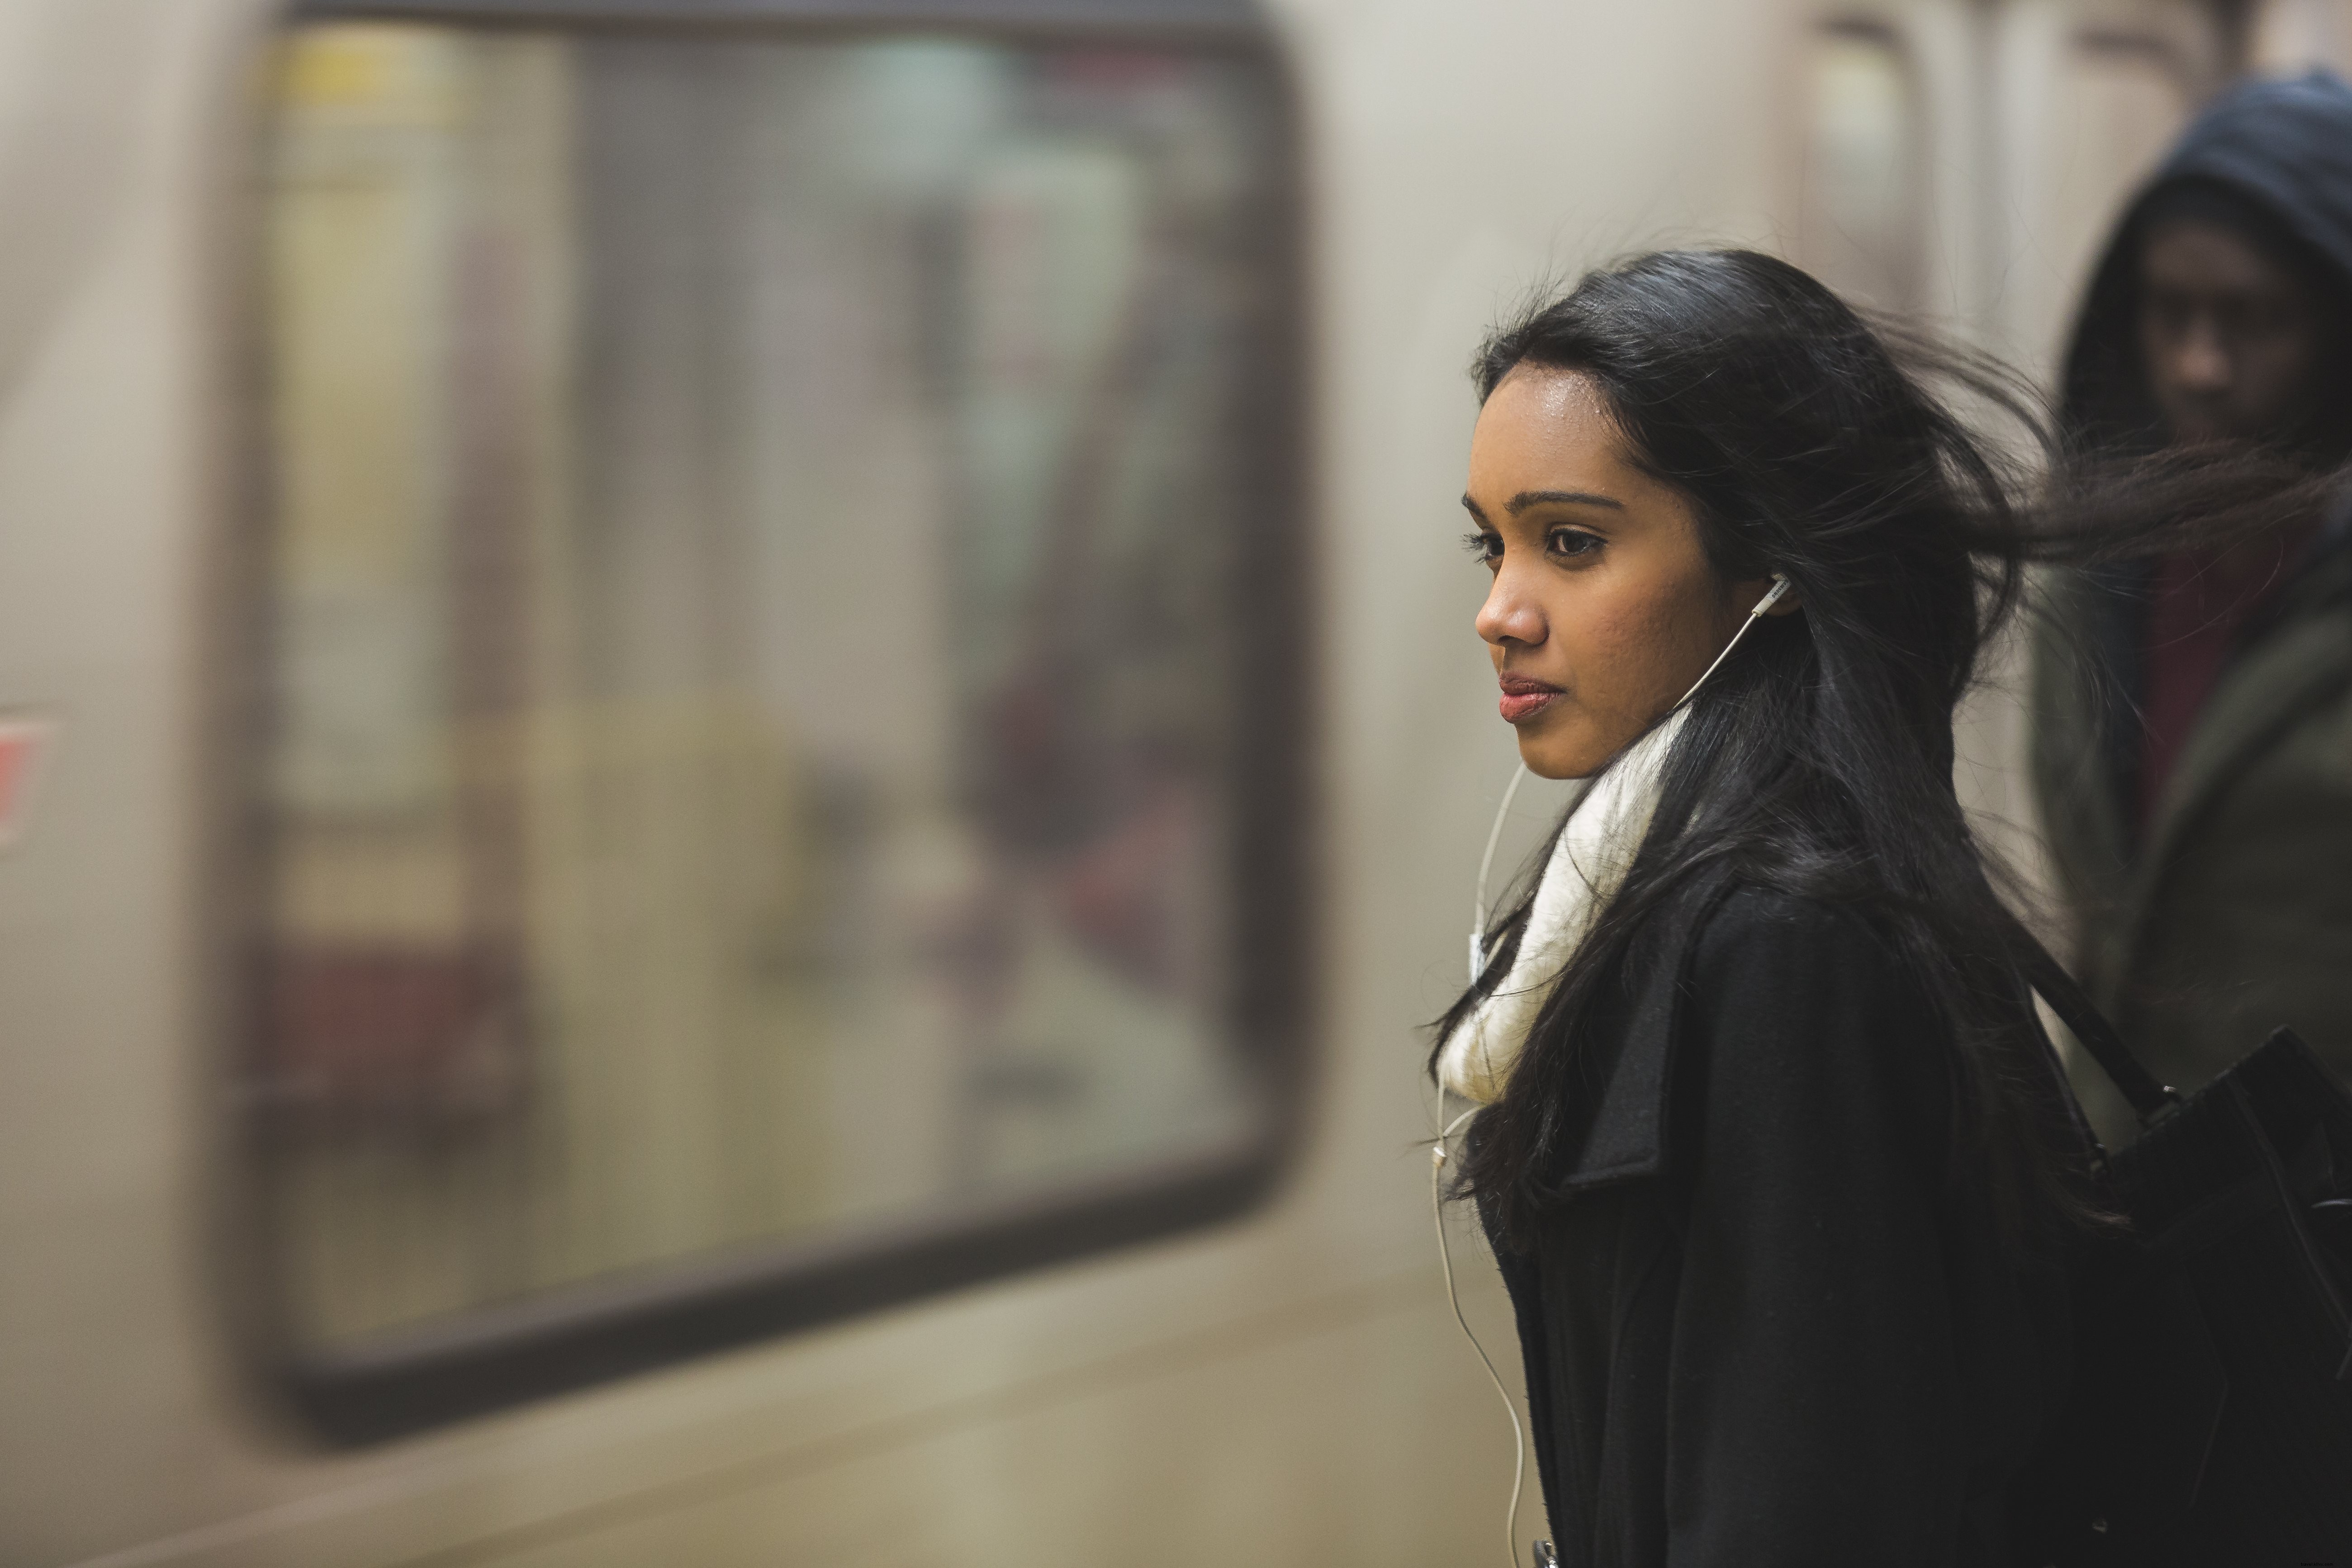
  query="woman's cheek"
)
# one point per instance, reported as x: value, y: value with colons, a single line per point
x: 1616, y: 647
x: 1676, y: 642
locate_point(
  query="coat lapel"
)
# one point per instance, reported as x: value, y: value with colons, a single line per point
x: 1632, y: 1083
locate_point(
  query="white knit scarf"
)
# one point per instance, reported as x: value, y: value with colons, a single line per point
x: 1587, y: 864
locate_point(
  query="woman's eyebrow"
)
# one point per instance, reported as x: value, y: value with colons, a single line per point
x: 1525, y: 498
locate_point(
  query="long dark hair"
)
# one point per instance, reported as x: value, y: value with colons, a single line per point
x: 1817, y: 760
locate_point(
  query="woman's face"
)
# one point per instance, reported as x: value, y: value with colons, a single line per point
x: 1603, y: 610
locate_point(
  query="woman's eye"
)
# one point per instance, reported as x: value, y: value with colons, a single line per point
x: 1572, y: 543
x: 1483, y: 548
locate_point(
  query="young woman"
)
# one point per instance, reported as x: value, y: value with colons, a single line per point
x: 1775, y: 1157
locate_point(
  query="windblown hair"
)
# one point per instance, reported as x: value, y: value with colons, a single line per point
x: 1817, y: 760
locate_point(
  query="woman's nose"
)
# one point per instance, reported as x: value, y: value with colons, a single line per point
x: 1509, y: 615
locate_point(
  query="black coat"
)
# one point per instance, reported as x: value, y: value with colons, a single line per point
x: 1765, y: 1330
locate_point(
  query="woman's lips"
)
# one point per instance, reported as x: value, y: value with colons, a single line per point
x: 1524, y: 699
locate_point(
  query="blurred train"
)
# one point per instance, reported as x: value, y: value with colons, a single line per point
x: 738, y: 738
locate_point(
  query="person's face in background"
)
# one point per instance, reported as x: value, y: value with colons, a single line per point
x: 2231, y: 340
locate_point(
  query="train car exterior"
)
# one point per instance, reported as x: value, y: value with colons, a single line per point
x: 738, y: 738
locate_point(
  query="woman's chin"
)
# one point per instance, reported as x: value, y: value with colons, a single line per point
x: 1547, y: 758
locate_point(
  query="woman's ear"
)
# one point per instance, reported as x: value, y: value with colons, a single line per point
x: 1788, y: 603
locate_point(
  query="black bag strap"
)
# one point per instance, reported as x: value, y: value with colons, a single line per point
x: 2149, y: 1098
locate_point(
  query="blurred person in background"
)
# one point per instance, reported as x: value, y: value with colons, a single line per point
x: 2192, y: 744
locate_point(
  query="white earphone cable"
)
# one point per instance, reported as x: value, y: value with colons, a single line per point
x: 1772, y: 597
x: 1454, y: 1299
x: 1486, y: 865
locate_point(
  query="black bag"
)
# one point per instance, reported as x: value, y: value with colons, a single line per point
x: 2210, y: 1424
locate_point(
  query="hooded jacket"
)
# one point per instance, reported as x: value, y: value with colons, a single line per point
x: 2228, y: 911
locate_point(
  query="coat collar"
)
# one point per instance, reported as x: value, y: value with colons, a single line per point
x: 1629, y: 1074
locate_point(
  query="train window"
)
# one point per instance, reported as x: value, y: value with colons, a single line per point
x: 776, y: 780
x: 1864, y: 187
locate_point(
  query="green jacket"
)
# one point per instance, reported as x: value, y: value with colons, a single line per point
x: 2231, y: 913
